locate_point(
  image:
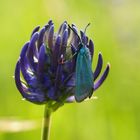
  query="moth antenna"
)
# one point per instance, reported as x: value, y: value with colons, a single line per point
x: 86, y: 27
x: 74, y: 32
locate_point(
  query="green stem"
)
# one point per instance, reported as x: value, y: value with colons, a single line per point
x: 46, y: 124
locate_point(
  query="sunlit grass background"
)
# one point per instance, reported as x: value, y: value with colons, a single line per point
x: 115, y: 29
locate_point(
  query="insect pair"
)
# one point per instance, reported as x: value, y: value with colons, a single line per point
x: 84, y: 75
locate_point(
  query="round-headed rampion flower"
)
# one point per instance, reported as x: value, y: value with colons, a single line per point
x: 47, y: 64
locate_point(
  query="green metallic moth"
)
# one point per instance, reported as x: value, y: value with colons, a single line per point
x: 84, y: 74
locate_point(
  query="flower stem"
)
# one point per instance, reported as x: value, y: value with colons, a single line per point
x: 46, y: 124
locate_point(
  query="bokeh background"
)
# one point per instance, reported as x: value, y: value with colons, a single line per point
x: 115, y: 29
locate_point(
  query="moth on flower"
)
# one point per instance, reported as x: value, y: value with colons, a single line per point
x: 52, y: 67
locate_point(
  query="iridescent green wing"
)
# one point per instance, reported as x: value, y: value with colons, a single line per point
x: 84, y: 76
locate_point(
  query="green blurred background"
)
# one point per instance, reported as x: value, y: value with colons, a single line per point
x: 115, y: 115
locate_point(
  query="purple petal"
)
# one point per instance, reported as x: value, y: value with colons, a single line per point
x: 45, y: 37
x: 50, y: 22
x: 75, y: 39
x: 103, y: 77
x: 64, y: 42
x: 46, y: 82
x: 98, y: 67
x: 24, y: 63
x: 36, y: 29
x: 74, y: 28
x: 82, y: 34
x: 73, y: 49
x: 56, y: 52
x: 41, y: 62
x: 18, y: 81
x: 41, y: 37
x: 70, y: 81
x: 51, y: 93
x: 31, y: 50
x: 65, y: 38
x: 69, y: 32
x: 58, y: 79
x: 67, y: 68
x: 50, y: 36
x: 46, y: 26
x: 86, y: 39
x: 37, y: 98
x: 91, y: 48
x: 62, y: 27
x: 83, y: 37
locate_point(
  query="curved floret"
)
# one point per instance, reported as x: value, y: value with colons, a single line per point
x: 45, y: 70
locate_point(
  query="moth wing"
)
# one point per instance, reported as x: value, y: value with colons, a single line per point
x: 84, y: 78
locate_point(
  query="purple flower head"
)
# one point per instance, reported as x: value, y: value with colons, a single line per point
x: 47, y: 65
